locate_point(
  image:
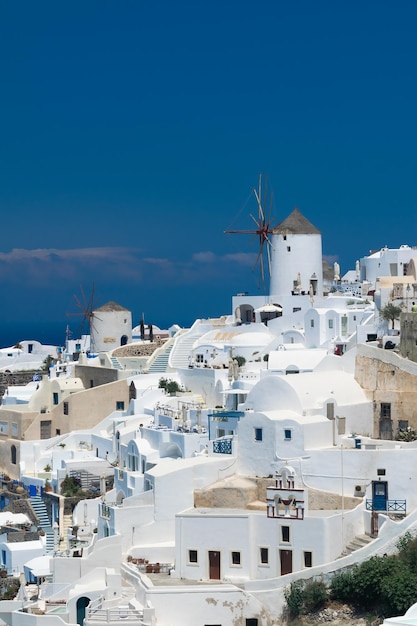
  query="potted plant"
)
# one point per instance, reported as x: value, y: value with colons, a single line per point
x: 47, y: 468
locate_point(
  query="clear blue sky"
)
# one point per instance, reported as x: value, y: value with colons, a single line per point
x: 133, y: 132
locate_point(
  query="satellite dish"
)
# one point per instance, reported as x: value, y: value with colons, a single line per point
x: 112, y: 458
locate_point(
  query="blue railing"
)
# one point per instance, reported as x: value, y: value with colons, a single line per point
x: 391, y: 506
x: 222, y: 446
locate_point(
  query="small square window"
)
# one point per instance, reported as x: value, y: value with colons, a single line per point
x: 120, y: 405
x: 285, y: 534
x: 258, y: 434
x: 264, y: 554
x: 287, y: 434
x: 236, y: 558
x: 192, y: 556
x: 380, y: 472
x: 308, y: 559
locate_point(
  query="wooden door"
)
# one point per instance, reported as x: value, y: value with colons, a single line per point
x: 285, y: 557
x: 214, y: 565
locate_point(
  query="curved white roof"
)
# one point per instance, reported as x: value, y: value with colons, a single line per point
x: 303, y: 392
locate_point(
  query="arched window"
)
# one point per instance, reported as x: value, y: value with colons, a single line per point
x: 13, y: 454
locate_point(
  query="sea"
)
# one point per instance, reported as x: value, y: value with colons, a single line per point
x: 48, y: 333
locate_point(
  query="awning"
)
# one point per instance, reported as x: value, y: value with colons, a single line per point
x: 269, y: 308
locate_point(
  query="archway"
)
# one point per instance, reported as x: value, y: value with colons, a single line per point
x: 82, y: 604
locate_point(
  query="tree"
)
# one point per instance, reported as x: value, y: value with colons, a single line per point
x: 390, y: 313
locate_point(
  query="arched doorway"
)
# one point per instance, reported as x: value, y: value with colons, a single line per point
x: 82, y: 604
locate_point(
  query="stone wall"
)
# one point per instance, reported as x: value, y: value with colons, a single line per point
x: 14, y: 378
x: 388, y: 379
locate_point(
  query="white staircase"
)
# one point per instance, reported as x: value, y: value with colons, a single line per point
x: 160, y: 363
x: 182, y: 349
x: 116, y: 363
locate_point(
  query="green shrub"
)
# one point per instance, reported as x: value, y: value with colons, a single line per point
x: 315, y: 595
x: 294, y: 598
x: 342, y: 586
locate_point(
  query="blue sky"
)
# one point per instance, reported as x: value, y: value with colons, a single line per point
x: 132, y: 134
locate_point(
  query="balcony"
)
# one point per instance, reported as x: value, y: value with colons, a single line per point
x: 399, y: 507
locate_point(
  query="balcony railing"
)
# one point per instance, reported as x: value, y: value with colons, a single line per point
x: 391, y: 506
x: 222, y: 446
x: 96, y: 612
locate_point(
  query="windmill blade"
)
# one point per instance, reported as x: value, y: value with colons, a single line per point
x: 86, y: 310
x: 262, y: 229
x: 260, y: 209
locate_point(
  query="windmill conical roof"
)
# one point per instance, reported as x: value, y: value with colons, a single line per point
x: 111, y: 306
x: 295, y: 224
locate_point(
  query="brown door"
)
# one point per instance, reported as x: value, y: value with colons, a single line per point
x: 214, y: 565
x: 285, y: 557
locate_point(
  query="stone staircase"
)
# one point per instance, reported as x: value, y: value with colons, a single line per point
x: 39, y: 507
x: 67, y: 523
x: 356, y: 543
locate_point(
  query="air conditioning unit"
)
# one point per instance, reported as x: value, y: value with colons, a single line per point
x: 360, y: 490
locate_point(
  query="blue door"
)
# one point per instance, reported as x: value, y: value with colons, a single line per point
x: 379, y: 495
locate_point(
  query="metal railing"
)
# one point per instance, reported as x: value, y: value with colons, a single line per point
x: 222, y: 446
x: 391, y: 506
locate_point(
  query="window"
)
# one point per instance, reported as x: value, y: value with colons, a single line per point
x: 330, y: 323
x: 294, y: 310
x: 221, y: 432
x: 308, y: 559
x: 56, y: 397
x: 236, y: 558
x: 58, y: 431
x: 4, y: 428
x: 288, y: 248
x: 287, y: 434
x: 45, y: 429
x: 13, y: 455
x: 341, y: 425
x: 120, y: 405
x: 14, y: 429
x: 66, y: 408
x: 311, y: 323
x: 380, y: 472
x: 385, y: 410
x: 192, y: 556
x: 285, y: 533
x: 91, y: 383
x: 264, y: 555
x: 258, y: 434
x: 402, y: 424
